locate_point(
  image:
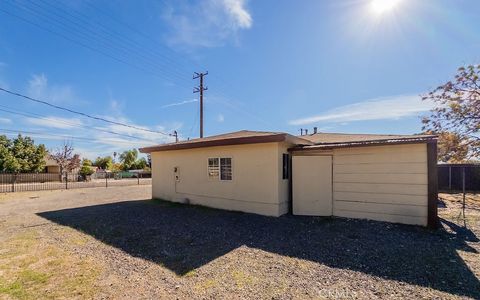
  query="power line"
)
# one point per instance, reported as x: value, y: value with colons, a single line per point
x: 141, y: 33
x: 81, y: 113
x: 151, y: 64
x: 119, y: 40
x: 86, y: 44
x: 52, y: 120
x: 44, y: 134
x: 138, y: 50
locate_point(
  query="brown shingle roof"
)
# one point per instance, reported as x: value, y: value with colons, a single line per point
x: 233, y: 138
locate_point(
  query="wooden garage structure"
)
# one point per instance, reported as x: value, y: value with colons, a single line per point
x: 389, y: 178
x: 378, y: 177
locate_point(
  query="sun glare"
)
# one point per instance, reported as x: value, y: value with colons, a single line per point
x: 381, y: 7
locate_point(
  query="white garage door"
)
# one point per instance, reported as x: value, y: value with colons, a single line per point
x: 312, y: 185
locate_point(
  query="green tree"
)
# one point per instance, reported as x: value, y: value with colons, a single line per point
x: 86, y: 169
x: 21, y: 155
x: 141, y: 163
x: 104, y: 163
x: 457, y: 112
x: 86, y: 162
x: 128, y: 159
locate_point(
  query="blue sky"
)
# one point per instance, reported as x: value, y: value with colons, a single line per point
x: 343, y: 66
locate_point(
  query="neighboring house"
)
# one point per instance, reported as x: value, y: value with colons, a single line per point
x: 379, y: 177
x: 101, y: 173
x: 51, y: 166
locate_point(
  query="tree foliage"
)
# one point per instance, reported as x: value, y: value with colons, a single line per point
x: 130, y: 160
x: 141, y: 163
x: 456, y: 116
x: 86, y: 169
x: 65, y: 158
x: 451, y: 148
x: 104, y: 163
x: 86, y: 162
x: 21, y: 155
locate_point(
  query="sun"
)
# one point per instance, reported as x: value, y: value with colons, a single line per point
x: 380, y: 7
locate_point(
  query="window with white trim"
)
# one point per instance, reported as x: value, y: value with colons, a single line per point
x: 220, y: 168
x: 213, y: 168
x: 226, y: 168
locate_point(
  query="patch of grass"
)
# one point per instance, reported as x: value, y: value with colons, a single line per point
x: 206, y: 285
x: 30, y: 266
x: 14, y: 289
x: 242, y: 279
x: 190, y: 273
x: 30, y: 276
x: 19, y: 287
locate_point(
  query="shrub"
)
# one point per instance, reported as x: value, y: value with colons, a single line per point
x: 86, y: 171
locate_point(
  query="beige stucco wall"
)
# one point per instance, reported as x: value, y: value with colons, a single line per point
x: 385, y: 183
x: 257, y: 185
x: 53, y: 169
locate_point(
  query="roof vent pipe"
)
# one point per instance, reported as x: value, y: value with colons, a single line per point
x: 315, y: 130
x: 301, y: 131
x: 306, y: 131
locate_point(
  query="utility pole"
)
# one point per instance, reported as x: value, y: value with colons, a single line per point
x: 200, y: 90
x: 175, y: 134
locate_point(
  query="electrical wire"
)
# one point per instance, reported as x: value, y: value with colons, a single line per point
x: 81, y: 113
x: 138, y: 50
x: 52, y: 120
x: 116, y: 39
x: 87, y: 45
x: 44, y: 135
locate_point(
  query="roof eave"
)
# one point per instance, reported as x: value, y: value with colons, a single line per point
x: 214, y: 143
x: 328, y: 146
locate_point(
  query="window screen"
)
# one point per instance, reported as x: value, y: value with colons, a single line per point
x: 225, y: 169
x: 286, y: 163
x: 213, y: 168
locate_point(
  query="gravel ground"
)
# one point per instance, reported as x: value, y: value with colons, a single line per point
x: 130, y: 247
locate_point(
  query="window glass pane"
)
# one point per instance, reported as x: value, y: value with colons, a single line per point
x: 225, y: 168
x: 213, y: 168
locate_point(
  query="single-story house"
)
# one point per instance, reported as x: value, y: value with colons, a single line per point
x: 379, y: 177
x: 51, y: 166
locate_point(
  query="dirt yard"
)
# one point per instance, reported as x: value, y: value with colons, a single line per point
x: 116, y: 243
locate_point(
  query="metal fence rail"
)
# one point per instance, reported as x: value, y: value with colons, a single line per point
x: 454, y: 177
x: 19, y: 182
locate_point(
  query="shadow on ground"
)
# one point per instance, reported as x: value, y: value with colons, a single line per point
x: 183, y: 238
